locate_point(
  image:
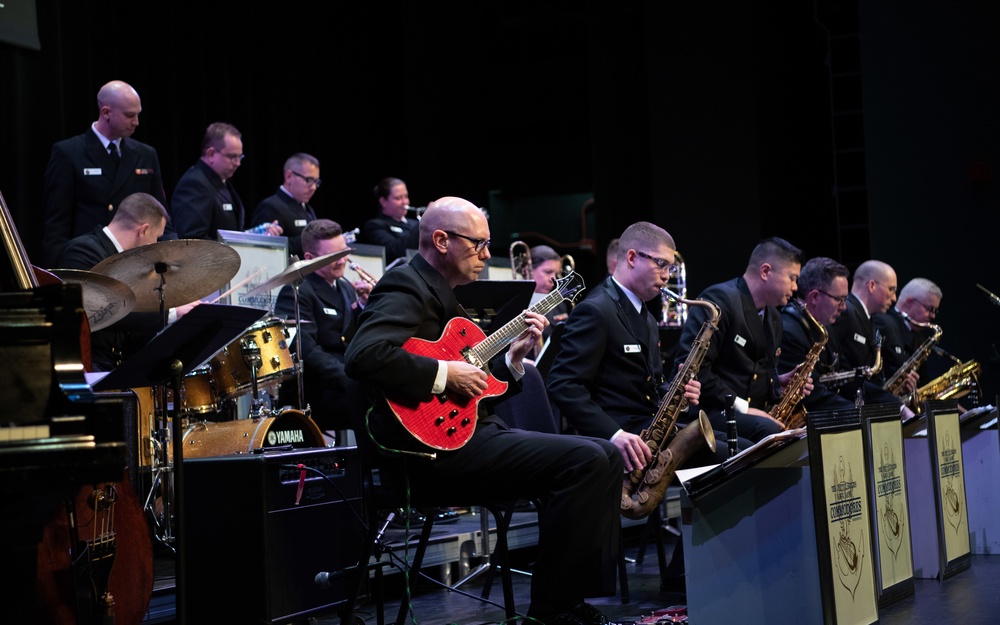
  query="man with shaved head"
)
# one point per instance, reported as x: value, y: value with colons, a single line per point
x: 90, y: 174
x: 577, y: 480
x: 873, y: 291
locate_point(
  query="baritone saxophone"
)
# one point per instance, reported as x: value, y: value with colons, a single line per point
x: 643, y: 489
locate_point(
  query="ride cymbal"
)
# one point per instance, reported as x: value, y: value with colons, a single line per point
x: 189, y: 269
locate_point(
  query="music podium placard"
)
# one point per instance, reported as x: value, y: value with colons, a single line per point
x: 953, y: 520
x: 841, y: 499
x: 890, y: 510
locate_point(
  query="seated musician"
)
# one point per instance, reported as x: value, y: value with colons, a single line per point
x: 140, y: 220
x: 919, y: 300
x: 606, y: 375
x: 546, y: 265
x: 576, y: 479
x: 742, y: 356
x: 328, y: 305
x: 822, y: 291
x: 873, y: 290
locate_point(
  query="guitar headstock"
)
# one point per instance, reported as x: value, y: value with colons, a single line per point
x: 570, y: 286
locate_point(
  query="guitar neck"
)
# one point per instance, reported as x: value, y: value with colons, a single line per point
x: 494, y: 343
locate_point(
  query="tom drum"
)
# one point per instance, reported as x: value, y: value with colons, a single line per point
x: 232, y: 373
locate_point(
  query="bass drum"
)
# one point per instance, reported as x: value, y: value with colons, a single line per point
x: 290, y: 427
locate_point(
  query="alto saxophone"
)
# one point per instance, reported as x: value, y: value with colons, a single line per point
x: 643, y: 489
x: 785, y: 411
x: 895, y: 383
x: 839, y: 378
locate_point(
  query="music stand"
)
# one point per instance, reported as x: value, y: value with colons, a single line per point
x: 492, y: 303
x: 173, y: 353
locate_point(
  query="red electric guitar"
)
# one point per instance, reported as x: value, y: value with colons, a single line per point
x: 448, y: 420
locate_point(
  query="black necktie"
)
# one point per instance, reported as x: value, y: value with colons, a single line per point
x: 115, y: 157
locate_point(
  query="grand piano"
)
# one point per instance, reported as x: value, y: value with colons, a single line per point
x: 61, y: 444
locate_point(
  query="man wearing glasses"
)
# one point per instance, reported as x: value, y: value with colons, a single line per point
x: 919, y: 299
x: 823, y: 293
x: 578, y: 479
x: 289, y: 206
x: 743, y: 354
x: 205, y: 200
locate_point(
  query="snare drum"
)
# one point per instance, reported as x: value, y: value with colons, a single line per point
x: 232, y: 374
x: 290, y: 427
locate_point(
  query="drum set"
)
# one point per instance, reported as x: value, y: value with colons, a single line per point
x: 211, y: 401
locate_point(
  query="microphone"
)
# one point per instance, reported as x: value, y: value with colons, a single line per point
x: 942, y: 352
x: 732, y: 433
x: 993, y: 298
x: 323, y: 578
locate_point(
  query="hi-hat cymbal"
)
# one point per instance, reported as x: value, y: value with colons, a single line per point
x: 105, y: 299
x: 190, y: 269
x: 297, y: 271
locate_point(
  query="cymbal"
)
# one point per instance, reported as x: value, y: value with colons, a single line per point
x: 297, y: 271
x: 190, y: 268
x: 105, y: 299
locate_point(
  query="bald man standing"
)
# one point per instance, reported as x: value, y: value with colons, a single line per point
x: 90, y: 174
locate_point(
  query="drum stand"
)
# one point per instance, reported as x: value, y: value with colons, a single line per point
x: 162, y: 478
x: 251, y: 354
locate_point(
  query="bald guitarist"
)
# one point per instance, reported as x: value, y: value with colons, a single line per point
x: 577, y: 478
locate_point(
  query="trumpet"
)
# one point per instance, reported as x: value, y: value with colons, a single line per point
x: 674, y: 311
x: 568, y: 265
x: 364, y: 275
x: 520, y: 260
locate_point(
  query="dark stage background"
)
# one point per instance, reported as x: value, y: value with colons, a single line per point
x: 854, y: 131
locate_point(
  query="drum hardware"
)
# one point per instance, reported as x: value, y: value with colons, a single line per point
x: 294, y: 274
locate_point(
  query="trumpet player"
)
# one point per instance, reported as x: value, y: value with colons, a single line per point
x: 329, y: 305
x: 391, y: 228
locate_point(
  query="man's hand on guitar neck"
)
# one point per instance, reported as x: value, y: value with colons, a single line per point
x: 528, y: 339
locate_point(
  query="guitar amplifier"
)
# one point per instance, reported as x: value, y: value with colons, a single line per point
x: 253, y: 545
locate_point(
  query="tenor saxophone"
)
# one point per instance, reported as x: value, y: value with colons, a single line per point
x: 643, y: 489
x: 788, y: 410
x: 895, y: 383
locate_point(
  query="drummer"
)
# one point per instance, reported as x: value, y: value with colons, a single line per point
x: 329, y: 306
x: 140, y: 220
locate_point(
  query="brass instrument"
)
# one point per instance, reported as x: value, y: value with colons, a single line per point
x: 840, y: 378
x: 954, y: 383
x: 895, y: 383
x: 520, y: 260
x: 674, y: 312
x: 643, y: 489
x: 364, y: 275
x: 785, y: 411
x: 568, y: 265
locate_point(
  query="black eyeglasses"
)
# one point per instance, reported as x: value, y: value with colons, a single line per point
x: 661, y: 264
x: 930, y: 309
x: 479, y: 244
x: 840, y: 300
x: 307, y: 179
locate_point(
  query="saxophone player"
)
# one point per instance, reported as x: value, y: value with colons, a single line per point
x: 873, y: 291
x: 742, y: 358
x: 823, y: 293
x: 605, y: 379
x: 919, y: 300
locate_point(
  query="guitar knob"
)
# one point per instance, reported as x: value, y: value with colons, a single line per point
x: 453, y: 413
x: 439, y: 421
x: 466, y: 421
x: 451, y: 430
